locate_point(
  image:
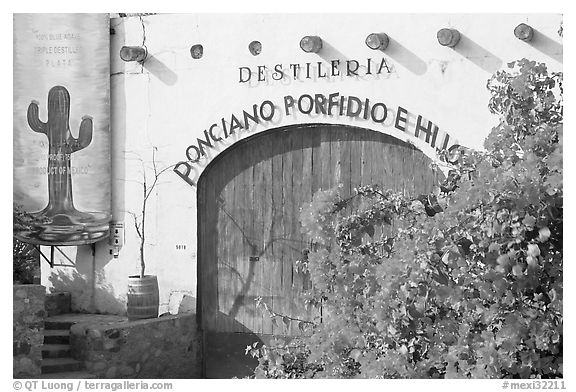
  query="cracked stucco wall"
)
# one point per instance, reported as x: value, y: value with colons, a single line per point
x: 167, y: 102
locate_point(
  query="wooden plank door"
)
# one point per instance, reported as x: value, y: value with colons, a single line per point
x: 249, y: 234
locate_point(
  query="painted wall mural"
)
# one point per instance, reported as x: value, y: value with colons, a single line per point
x: 61, y: 89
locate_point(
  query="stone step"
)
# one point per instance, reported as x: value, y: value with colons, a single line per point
x: 48, y: 324
x: 60, y: 365
x: 57, y: 336
x: 55, y: 350
x: 68, y: 375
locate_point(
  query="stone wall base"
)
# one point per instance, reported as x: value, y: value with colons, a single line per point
x: 164, y: 347
x: 28, y: 329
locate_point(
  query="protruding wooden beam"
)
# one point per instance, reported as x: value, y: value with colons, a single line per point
x: 448, y: 37
x: 377, y: 41
x: 524, y: 32
x: 197, y: 51
x: 311, y: 44
x: 133, y: 53
x: 255, y: 47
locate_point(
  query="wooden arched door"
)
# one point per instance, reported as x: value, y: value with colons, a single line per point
x: 249, y: 233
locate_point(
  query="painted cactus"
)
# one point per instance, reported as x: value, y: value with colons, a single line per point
x: 61, y: 147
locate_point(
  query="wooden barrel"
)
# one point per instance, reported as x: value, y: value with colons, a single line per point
x: 143, y: 297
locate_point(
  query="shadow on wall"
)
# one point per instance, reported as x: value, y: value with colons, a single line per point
x: 547, y: 45
x: 90, y: 294
x: 406, y: 58
x: 329, y: 53
x: 160, y: 70
x: 478, y: 55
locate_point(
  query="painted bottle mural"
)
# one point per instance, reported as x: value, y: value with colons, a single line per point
x: 62, y: 127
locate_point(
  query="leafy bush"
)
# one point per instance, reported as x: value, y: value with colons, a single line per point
x: 25, y: 258
x: 25, y: 263
x: 463, y: 283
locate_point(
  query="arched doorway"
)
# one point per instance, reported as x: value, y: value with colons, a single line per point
x: 249, y: 233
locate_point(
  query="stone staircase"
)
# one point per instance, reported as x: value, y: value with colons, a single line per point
x: 57, y: 361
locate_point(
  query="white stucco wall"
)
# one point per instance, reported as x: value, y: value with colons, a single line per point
x: 169, y: 101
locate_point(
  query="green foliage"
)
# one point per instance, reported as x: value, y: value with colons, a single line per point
x: 473, y: 291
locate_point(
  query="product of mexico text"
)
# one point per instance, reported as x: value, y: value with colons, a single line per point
x: 61, y: 140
